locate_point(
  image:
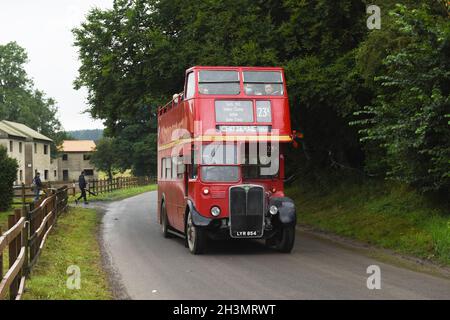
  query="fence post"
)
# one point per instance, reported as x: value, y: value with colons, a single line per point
x: 25, y: 237
x: 13, y: 252
x: 1, y: 258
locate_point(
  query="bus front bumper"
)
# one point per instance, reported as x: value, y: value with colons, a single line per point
x: 219, y: 228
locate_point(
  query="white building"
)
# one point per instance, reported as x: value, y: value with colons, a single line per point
x: 31, y: 150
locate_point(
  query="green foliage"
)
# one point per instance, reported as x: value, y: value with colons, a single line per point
x: 385, y: 214
x: 20, y: 101
x: 407, y: 122
x: 8, y: 174
x: 105, y: 156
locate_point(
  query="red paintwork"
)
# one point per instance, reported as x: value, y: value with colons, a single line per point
x: 182, y: 115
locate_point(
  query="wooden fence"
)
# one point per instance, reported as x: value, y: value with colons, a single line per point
x: 24, y: 195
x: 28, y: 228
x: 106, y: 185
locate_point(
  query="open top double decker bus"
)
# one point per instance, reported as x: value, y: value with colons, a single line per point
x: 221, y: 161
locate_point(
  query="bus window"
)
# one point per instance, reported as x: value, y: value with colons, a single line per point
x: 220, y: 173
x: 168, y: 167
x: 266, y: 83
x: 180, y: 168
x: 174, y: 167
x: 218, y: 82
x: 194, y: 164
x: 190, y: 86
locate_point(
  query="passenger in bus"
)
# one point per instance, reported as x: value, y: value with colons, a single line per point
x: 270, y: 90
x: 249, y: 89
x: 203, y: 89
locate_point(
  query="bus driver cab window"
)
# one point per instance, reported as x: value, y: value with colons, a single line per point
x: 190, y: 86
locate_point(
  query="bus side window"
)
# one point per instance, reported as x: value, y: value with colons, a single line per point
x: 180, y: 168
x: 190, y: 86
x: 174, y: 168
x: 168, y: 167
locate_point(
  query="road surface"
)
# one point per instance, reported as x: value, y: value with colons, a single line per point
x: 151, y: 267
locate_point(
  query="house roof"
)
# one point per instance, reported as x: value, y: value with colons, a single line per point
x: 23, y: 130
x: 11, y: 131
x: 77, y: 146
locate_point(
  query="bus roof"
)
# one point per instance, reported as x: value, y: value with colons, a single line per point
x: 233, y: 68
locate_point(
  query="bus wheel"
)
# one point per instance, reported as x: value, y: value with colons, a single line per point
x: 164, y: 221
x: 195, y: 237
x: 286, y: 239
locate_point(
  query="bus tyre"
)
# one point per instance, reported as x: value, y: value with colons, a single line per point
x: 195, y: 237
x: 164, y: 221
x: 286, y: 239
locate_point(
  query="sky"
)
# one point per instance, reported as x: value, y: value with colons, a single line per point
x: 43, y: 28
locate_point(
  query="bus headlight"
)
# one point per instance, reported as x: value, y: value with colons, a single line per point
x: 215, y: 211
x: 273, y: 210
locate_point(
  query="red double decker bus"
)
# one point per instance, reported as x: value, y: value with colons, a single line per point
x: 221, y: 161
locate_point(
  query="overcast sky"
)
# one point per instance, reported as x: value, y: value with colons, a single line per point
x: 43, y: 28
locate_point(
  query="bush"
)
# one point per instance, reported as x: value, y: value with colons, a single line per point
x: 408, y: 120
x: 8, y: 174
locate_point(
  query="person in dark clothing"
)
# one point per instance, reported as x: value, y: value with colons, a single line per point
x: 37, y: 184
x: 82, y: 184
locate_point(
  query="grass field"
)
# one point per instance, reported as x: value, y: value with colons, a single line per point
x: 383, y: 214
x: 73, y: 242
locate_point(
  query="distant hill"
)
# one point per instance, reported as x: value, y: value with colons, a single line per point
x: 93, y: 134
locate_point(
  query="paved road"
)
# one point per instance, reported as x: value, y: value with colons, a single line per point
x: 151, y: 267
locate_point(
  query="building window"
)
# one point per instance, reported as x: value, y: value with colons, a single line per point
x: 20, y: 147
x: 45, y: 149
x: 65, y: 157
x: 54, y: 174
x: 88, y: 172
x: 20, y: 176
x: 46, y: 174
x: 86, y: 157
x: 11, y: 146
x: 35, y: 147
x: 65, y: 175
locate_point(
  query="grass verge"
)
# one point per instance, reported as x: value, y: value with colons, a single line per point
x: 387, y: 215
x: 118, y: 194
x: 72, y: 242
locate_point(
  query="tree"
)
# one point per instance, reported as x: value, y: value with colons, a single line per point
x: 8, y: 174
x: 408, y: 119
x: 20, y: 101
x: 104, y: 157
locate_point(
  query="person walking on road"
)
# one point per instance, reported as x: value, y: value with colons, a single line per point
x: 82, y: 184
x: 37, y: 185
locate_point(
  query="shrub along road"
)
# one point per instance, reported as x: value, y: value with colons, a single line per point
x: 151, y: 267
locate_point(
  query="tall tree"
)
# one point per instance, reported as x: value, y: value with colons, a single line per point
x: 20, y: 101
